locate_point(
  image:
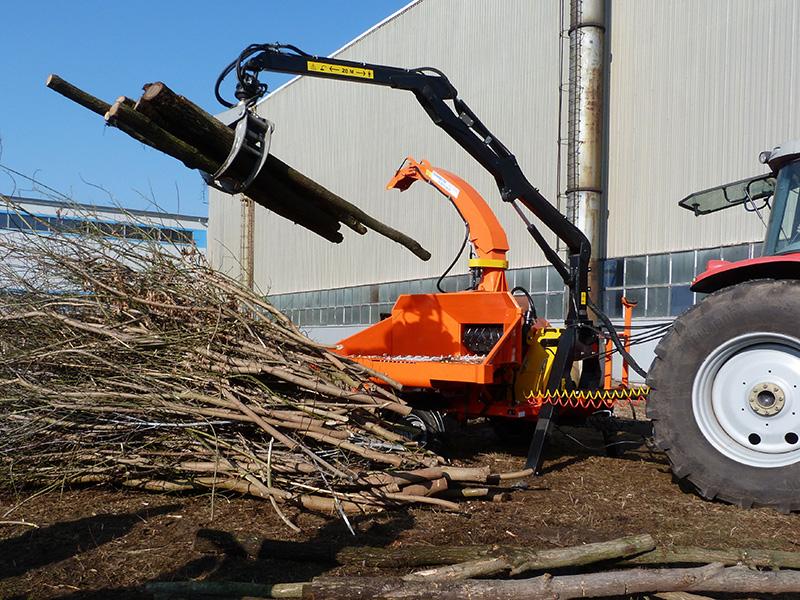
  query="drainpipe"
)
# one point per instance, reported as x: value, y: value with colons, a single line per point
x: 585, y: 199
x: 247, y: 239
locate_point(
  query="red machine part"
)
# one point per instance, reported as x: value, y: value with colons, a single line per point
x: 721, y: 273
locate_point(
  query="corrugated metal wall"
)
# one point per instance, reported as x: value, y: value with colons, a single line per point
x: 502, y: 55
x: 696, y: 90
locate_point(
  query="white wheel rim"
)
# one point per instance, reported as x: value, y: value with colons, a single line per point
x: 746, y: 399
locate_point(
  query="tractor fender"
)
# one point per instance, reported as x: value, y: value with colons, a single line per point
x: 722, y: 273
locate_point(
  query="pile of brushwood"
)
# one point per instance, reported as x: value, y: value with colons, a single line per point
x: 128, y: 362
x: 174, y: 125
x: 620, y: 568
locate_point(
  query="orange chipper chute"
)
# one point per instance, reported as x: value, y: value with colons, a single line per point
x: 486, y: 234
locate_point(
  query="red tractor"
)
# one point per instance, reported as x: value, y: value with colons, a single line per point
x: 725, y: 395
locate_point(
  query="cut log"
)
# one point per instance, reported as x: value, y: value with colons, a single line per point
x: 427, y: 488
x: 137, y: 125
x: 197, y: 126
x: 688, y: 555
x: 66, y: 89
x: 711, y: 578
x: 187, y: 121
x: 174, y: 125
x: 224, y: 588
x: 521, y: 561
x: 419, y: 556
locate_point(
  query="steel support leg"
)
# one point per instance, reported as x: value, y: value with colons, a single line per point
x: 561, y: 368
x: 536, y: 450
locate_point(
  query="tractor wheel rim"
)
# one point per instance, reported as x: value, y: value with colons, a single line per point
x: 746, y: 399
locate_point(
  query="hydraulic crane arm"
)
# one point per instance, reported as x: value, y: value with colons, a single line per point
x: 433, y: 91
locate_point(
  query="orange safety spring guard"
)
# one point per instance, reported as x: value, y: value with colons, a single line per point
x: 597, y: 399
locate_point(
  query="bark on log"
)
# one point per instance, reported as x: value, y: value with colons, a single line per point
x: 160, y: 139
x: 680, y: 596
x: 201, y: 142
x: 688, y: 555
x: 195, y: 125
x: 711, y: 578
x: 582, y: 555
x: 485, y: 567
x: 225, y: 588
x: 142, y: 128
x: 77, y: 95
x: 187, y: 121
x: 420, y: 556
x: 521, y: 561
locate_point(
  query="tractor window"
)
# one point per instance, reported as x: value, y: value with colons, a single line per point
x: 752, y: 192
x: 784, y: 231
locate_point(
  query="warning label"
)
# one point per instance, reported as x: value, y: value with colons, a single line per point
x: 321, y: 67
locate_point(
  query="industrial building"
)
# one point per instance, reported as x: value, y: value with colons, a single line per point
x: 19, y: 215
x: 615, y: 119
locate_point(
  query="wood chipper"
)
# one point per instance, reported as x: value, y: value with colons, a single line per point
x: 725, y: 384
x: 481, y: 352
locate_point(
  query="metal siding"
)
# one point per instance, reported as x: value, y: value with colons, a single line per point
x: 224, y: 228
x: 502, y: 55
x: 698, y: 89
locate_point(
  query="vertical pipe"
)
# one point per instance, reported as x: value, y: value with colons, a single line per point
x: 585, y: 198
x: 247, y: 238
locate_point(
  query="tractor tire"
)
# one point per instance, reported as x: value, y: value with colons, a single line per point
x: 725, y: 401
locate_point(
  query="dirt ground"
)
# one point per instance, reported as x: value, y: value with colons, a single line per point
x: 105, y: 543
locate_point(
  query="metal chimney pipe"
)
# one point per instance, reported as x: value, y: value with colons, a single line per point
x: 585, y: 201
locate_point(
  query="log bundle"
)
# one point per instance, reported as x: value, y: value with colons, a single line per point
x: 128, y: 362
x: 174, y: 125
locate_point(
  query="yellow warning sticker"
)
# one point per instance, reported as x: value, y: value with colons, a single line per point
x: 321, y: 67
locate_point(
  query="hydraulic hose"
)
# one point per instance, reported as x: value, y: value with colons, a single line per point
x: 612, y: 331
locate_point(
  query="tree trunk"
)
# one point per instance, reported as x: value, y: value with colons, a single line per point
x: 420, y: 556
x: 174, y: 125
x: 522, y: 561
x: 711, y: 578
x: 224, y: 588
x: 193, y: 123
x: 770, y: 559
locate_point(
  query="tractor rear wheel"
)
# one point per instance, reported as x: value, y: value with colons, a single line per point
x: 725, y: 397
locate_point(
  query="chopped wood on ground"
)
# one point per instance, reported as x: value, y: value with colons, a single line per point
x: 132, y: 363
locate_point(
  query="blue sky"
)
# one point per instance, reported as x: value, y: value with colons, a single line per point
x: 111, y: 49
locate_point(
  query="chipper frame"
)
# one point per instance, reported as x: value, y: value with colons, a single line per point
x: 465, y: 318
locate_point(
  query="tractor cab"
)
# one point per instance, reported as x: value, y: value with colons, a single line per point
x: 783, y: 233
x: 777, y: 191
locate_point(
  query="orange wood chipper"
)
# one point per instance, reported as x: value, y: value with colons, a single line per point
x: 481, y: 352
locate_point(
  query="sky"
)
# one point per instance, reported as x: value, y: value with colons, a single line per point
x: 113, y: 48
